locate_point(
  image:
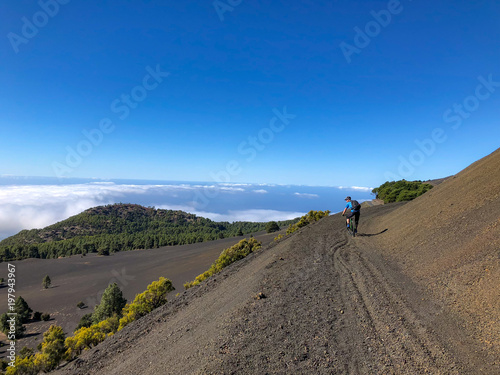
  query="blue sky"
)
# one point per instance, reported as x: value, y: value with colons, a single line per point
x: 205, y: 88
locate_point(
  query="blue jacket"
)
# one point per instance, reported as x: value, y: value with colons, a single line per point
x: 349, y: 205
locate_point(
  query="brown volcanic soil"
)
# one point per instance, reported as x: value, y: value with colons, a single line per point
x: 448, y: 241
x: 78, y: 278
x: 398, y: 299
x: 415, y: 293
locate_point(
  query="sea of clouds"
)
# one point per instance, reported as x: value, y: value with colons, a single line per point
x: 36, y: 205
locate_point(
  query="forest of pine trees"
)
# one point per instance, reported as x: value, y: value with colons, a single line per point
x: 120, y: 227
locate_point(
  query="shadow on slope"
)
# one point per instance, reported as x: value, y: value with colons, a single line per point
x: 371, y: 234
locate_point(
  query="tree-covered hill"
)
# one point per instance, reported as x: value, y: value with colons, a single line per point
x: 120, y: 227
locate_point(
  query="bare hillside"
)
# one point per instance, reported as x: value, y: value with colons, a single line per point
x: 448, y: 240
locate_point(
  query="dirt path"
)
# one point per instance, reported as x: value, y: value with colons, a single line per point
x: 332, y: 306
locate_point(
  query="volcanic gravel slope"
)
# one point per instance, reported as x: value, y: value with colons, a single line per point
x: 448, y: 241
x: 394, y: 300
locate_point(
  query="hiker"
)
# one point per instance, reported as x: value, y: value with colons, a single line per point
x: 355, y: 210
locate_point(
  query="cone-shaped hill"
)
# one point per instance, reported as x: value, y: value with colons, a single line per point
x: 120, y: 227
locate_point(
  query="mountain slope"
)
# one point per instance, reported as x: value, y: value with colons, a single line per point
x: 448, y: 240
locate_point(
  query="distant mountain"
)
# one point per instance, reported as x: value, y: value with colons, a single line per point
x: 120, y: 227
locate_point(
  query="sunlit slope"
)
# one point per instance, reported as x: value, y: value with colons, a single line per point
x: 449, y: 240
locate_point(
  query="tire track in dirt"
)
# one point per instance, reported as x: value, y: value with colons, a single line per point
x: 403, y: 342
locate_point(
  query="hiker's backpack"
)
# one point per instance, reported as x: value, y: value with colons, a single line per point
x: 355, y: 206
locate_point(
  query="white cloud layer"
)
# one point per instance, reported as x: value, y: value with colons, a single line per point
x: 306, y: 195
x: 359, y: 188
x: 36, y: 206
x: 243, y: 215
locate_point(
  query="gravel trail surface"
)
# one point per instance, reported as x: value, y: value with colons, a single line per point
x: 317, y: 302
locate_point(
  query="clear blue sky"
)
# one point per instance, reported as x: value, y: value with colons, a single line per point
x: 227, y: 75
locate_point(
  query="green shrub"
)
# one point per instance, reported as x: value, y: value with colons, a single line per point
x: 143, y: 303
x: 311, y: 217
x: 84, y: 338
x: 52, y: 350
x: 103, y: 251
x: 26, y: 352
x: 87, y: 337
x: 272, y: 226
x: 228, y: 256
x: 85, y: 321
x: 45, y: 317
x: 398, y: 191
x: 23, y: 366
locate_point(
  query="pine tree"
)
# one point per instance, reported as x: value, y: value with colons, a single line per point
x: 272, y: 226
x: 112, y: 302
x: 5, y: 325
x: 22, y: 309
x: 46, y: 282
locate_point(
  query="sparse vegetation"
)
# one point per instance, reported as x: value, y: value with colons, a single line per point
x: 398, y: 191
x: 55, y: 347
x: 120, y: 227
x: 154, y: 297
x: 85, y: 321
x: 26, y: 352
x: 45, y: 317
x: 272, y: 226
x: 88, y: 337
x: 37, y: 316
x: 46, y: 282
x: 228, y: 256
x: 51, y: 353
x: 311, y: 217
x: 52, y: 348
x: 80, y: 305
